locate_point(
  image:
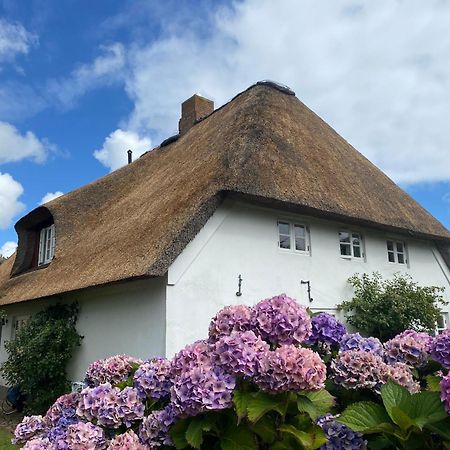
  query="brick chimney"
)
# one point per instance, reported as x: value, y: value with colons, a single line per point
x: 193, y: 110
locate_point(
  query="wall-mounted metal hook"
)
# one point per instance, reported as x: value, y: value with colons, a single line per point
x: 239, y: 293
x: 307, y: 282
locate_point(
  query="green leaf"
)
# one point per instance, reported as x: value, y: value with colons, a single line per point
x: 261, y: 403
x: 309, y: 440
x: 304, y: 404
x: 238, y: 438
x: 427, y: 408
x: 396, y: 396
x: 378, y: 442
x: 433, y: 383
x: 178, y: 434
x: 441, y: 428
x: 323, y: 401
x: 194, y: 432
x: 265, y: 429
x: 366, y: 417
x: 240, y: 400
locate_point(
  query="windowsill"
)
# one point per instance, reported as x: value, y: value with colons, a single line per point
x: 352, y: 258
x: 293, y: 252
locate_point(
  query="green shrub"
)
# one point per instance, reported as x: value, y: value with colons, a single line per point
x: 38, y: 356
x: 384, y: 308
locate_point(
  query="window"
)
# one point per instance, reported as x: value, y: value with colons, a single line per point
x: 442, y: 323
x: 293, y: 236
x: 396, y: 252
x: 18, y: 323
x: 350, y: 244
x: 46, y: 245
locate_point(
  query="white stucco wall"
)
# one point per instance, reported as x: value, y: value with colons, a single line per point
x: 124, y: 318
x: 243, y: 239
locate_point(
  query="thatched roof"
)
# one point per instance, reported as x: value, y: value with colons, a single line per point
x: 265, y: 145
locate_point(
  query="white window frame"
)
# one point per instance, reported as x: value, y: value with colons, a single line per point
x: 395, y: 252
x: 352, y: 246
x: 47, y: 240
x: 445, y: 323
x: 292, y: 238
x: 17, y: 323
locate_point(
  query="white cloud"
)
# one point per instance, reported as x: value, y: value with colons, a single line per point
x: 10, y: 205
x: 49, y: 196
x: 14, y: 39
x: 106, y: 69
x: 15, y: 146
x: 113, y: 153
x: 378, y: 72
x: 8, y: 248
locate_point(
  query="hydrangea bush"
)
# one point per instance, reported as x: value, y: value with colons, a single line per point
x: 260, y: 380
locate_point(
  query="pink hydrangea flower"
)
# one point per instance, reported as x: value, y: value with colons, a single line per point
x: 85, y: 436
x: 126, y: 441
x: 445, y: 392
x: 39, y: 444
x: 30, y: 427
x: 114, y: 369
x: 291, y: 368
x: 194, y: 355
x: 281, y: 320
x: 409, y: 347
x: 229, y: 319
x: 64, y: 407
x: 152, y: 379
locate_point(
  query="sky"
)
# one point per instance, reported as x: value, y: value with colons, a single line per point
x: 81, y: 82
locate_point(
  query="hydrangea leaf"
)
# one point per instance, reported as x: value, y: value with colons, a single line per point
x: 304, y: 404
x: 178, y: 434
x: 427, y: 408
x: 261, y: 403
x: 195, y: 429
x: 311, y: 440
x: 441, y: 428
x: 433, y: 383
x: 240, y: 400
x: 401, y: 418
x: 395, y: 396
x: 238, y: 438
x: 366, y: 417
x: 265, y: 429
x: 322, y: 400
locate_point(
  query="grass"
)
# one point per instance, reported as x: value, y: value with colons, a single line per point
x: 5, y: 440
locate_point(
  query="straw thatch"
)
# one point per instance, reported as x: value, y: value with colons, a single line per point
x: 265, y: 145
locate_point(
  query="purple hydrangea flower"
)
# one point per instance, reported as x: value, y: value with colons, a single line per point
x: 85, y: 436
x: 40, y: 443
x: 240, y: 353
x: 229, y: 319
x: 114, y: 369
x: 339, y: 436
x: 57, y: 435
x: 200, y: 389
x: 64, y: 407
x: 126, y: 441
x: 326, y: 329
x: 152, y: 379
x: 357, y: 369
x: 281, y: 320
x: 154, y: 430
x: 354, y: 341
x: 440, y: 349
x: 445, y: 392
x: 409, y: 347
x: 194, y: 355
x: 291, y: 368
x: 110, y: 406
x: 30, y: 427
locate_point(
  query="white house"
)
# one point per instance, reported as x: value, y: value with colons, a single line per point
x: 246, y: 202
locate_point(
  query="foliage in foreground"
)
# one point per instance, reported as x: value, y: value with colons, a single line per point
x: 38, y: 356
x: 384, y: 308
x: 268, y: 377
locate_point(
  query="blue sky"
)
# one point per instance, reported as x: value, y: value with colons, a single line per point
x: 81, y: 82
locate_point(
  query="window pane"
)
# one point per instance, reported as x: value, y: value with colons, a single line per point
x: 299, y: 231
x: 283, y: 228
x: 399, y: 247
x: 345, y: 250
x: 390, y: 246
x: 401, y: 258
x: 356, y: 239
x: 441, y: 322
x: 391, y: 257
x: 357, y: 252
x: 285, y: 241
x: 344, y: 236
x: 300, y: 244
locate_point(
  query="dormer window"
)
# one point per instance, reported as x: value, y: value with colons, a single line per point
x: 46, y: 245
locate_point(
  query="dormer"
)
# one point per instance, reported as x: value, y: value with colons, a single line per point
x: 37, y: 241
